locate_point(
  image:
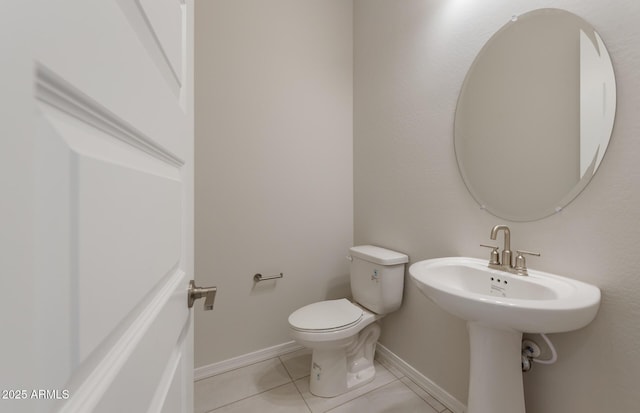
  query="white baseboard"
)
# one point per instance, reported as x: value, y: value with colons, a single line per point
x: 245, y: 360
x: 387, y: 356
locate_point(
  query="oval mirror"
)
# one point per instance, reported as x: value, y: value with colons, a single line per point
x: 535, y: 115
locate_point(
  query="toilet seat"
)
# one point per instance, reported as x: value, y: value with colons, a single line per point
x: 326, y: 316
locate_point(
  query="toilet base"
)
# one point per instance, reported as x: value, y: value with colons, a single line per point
x: 361, y: 378
x: 335, y: 371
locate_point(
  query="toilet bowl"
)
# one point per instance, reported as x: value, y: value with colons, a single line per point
x: 343, y: 334
x: 343, y: 337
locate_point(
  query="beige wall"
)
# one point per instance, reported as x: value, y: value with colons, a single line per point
x: 274, y: 189
x: 411, y: 58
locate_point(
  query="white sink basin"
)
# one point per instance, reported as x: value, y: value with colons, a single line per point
x: 537, y: 303
x: 499, y: 307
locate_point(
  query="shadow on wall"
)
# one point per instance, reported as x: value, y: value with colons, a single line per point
x: 338, y: 287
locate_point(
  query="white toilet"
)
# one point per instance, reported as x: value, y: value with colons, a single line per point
x: 342, y: 334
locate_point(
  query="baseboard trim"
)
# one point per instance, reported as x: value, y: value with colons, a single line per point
x: 245, y: 360
x: 424, y: 382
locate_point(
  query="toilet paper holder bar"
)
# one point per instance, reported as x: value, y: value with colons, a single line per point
x: 260, y: 277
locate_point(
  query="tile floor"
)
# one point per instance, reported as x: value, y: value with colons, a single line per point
x: 281, y: 385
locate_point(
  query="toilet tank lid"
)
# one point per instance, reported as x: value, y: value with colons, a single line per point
x: 378, y: 255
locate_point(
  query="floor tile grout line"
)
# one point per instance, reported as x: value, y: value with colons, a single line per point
x: 396, y: 379
x: 248, y: 397
x: 260, y: 392
x: 300, y: 393
x: 286, y: 369
x: 334, y: 407
x: 363, y: 394
x: 239, y: 368
x: 293, y: 381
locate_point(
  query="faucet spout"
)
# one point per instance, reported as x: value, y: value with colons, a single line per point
x: 506, y: 252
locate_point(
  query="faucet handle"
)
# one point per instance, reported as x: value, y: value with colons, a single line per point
x: 521, y: 262
x: 495, y: 257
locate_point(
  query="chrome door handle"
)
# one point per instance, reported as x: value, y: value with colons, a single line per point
x: 195, y: 293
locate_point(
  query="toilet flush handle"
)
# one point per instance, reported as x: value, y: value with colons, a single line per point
x: 349, y: 257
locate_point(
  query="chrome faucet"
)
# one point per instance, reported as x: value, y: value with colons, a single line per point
x: 506, y: 252
x: 507, y: 265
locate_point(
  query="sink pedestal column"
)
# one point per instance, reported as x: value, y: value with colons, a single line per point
x: 495, y: 377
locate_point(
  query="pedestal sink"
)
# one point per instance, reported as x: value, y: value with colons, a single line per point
x: 499, y: 307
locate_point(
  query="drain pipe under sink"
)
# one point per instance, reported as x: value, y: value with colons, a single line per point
x: 531, y: 352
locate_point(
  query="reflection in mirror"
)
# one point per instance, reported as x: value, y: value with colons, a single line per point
x: 535, y: 115
x: 597, y: 88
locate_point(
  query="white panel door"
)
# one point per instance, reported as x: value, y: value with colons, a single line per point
x: 96, y: 168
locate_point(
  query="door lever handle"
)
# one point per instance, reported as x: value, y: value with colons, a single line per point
x: 195, y: 293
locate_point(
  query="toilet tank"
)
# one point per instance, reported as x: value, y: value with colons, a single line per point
x: 377, y: 278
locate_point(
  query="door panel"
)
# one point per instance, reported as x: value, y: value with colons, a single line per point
x: 86, y: 43
x: 105, y: 164
x: 134, y: 243
x: 158, y: 349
